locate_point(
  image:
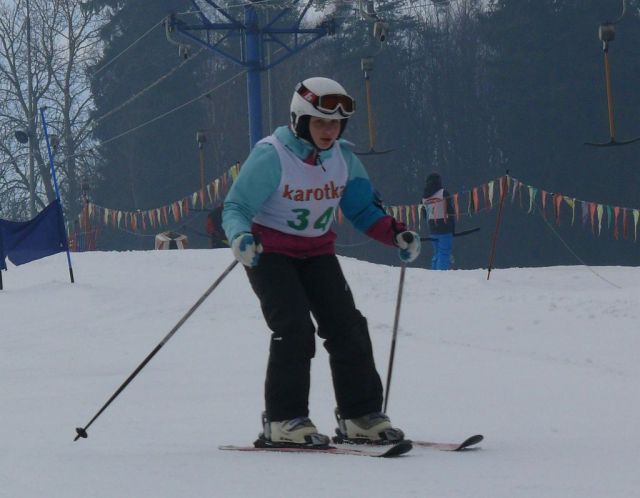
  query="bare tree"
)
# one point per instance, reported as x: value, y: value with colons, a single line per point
x: 75, y: 48
x: 46, y: 47
x: 24, y: 82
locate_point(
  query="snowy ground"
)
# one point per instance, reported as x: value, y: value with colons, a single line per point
x: 543, y: 362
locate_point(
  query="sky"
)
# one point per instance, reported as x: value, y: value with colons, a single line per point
x: 541, y: 361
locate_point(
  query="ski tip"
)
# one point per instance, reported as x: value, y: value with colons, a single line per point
x: 470, y: 441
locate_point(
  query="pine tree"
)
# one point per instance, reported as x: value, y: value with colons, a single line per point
x: 148, y: 160
x: 548, y: 98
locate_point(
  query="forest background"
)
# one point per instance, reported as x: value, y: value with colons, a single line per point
x: 467, y: 88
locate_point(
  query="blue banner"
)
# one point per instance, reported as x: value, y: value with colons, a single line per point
x: 25, y: 241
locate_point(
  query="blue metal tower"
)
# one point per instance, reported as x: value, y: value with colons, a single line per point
x: 252, y: 41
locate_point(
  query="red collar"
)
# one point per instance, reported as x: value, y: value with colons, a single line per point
x: 312, y: 158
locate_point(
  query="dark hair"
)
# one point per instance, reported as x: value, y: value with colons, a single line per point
x: 432, y: 185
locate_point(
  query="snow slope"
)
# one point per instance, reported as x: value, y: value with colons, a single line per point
x: 542, y: 361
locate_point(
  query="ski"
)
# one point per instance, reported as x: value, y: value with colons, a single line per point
x: 386, y: 451
x: 464, y: 445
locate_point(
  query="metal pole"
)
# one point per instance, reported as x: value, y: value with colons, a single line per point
x: 269, y: 94
x: 82, y: 431
x: 408, y: 238
x: 55, y: 184
x: 201, y: 169
x: 201, y: 139
x: 254, y: 90
x: 607, y: 75
x: 503, y: 194
x: 367, y: 84
x: 396, y: 320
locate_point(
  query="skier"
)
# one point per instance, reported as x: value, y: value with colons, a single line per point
x: 441, y: 216
x: 277, y: 217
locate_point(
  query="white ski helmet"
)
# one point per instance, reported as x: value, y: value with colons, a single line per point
x: 320, y: 97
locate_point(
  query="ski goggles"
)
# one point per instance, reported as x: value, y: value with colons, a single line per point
x: 328, y: 104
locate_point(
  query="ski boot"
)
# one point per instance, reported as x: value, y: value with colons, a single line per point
x: 294, y: 433
x: 373, y: 428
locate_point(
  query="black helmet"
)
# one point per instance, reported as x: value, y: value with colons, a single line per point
x: 434, y: 180
x: 432, y: 185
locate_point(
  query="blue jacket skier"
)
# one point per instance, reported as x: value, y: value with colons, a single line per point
x: 441, y: 216
x: 277, y: 217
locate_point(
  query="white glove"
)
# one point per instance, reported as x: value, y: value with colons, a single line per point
x: 246, y: 250
x: 408, y: 246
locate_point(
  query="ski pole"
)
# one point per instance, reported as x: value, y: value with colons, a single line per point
x: 82, y: 431
x: 403, y: 268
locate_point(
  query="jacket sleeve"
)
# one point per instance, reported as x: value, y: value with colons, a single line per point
x: 259, y: 177
x: 362, y: 207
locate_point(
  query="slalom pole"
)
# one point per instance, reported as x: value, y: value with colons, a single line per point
x: 403, y: 267
x: 82, y: 431
x: 503, y: 194
x: 55, y: 184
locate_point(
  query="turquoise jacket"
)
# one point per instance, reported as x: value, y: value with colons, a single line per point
x: 259, y: 178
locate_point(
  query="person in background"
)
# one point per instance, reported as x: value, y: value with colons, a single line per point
x: 277, y: 216
x: 441, y: 217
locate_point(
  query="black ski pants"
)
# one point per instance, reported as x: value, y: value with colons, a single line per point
x: 290, y: 291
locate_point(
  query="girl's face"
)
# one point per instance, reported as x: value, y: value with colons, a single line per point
x: 324, y: 132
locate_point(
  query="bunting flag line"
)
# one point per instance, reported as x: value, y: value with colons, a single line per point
x: 476, y: 200
x: 481, y: 199
x: 163, y: 216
